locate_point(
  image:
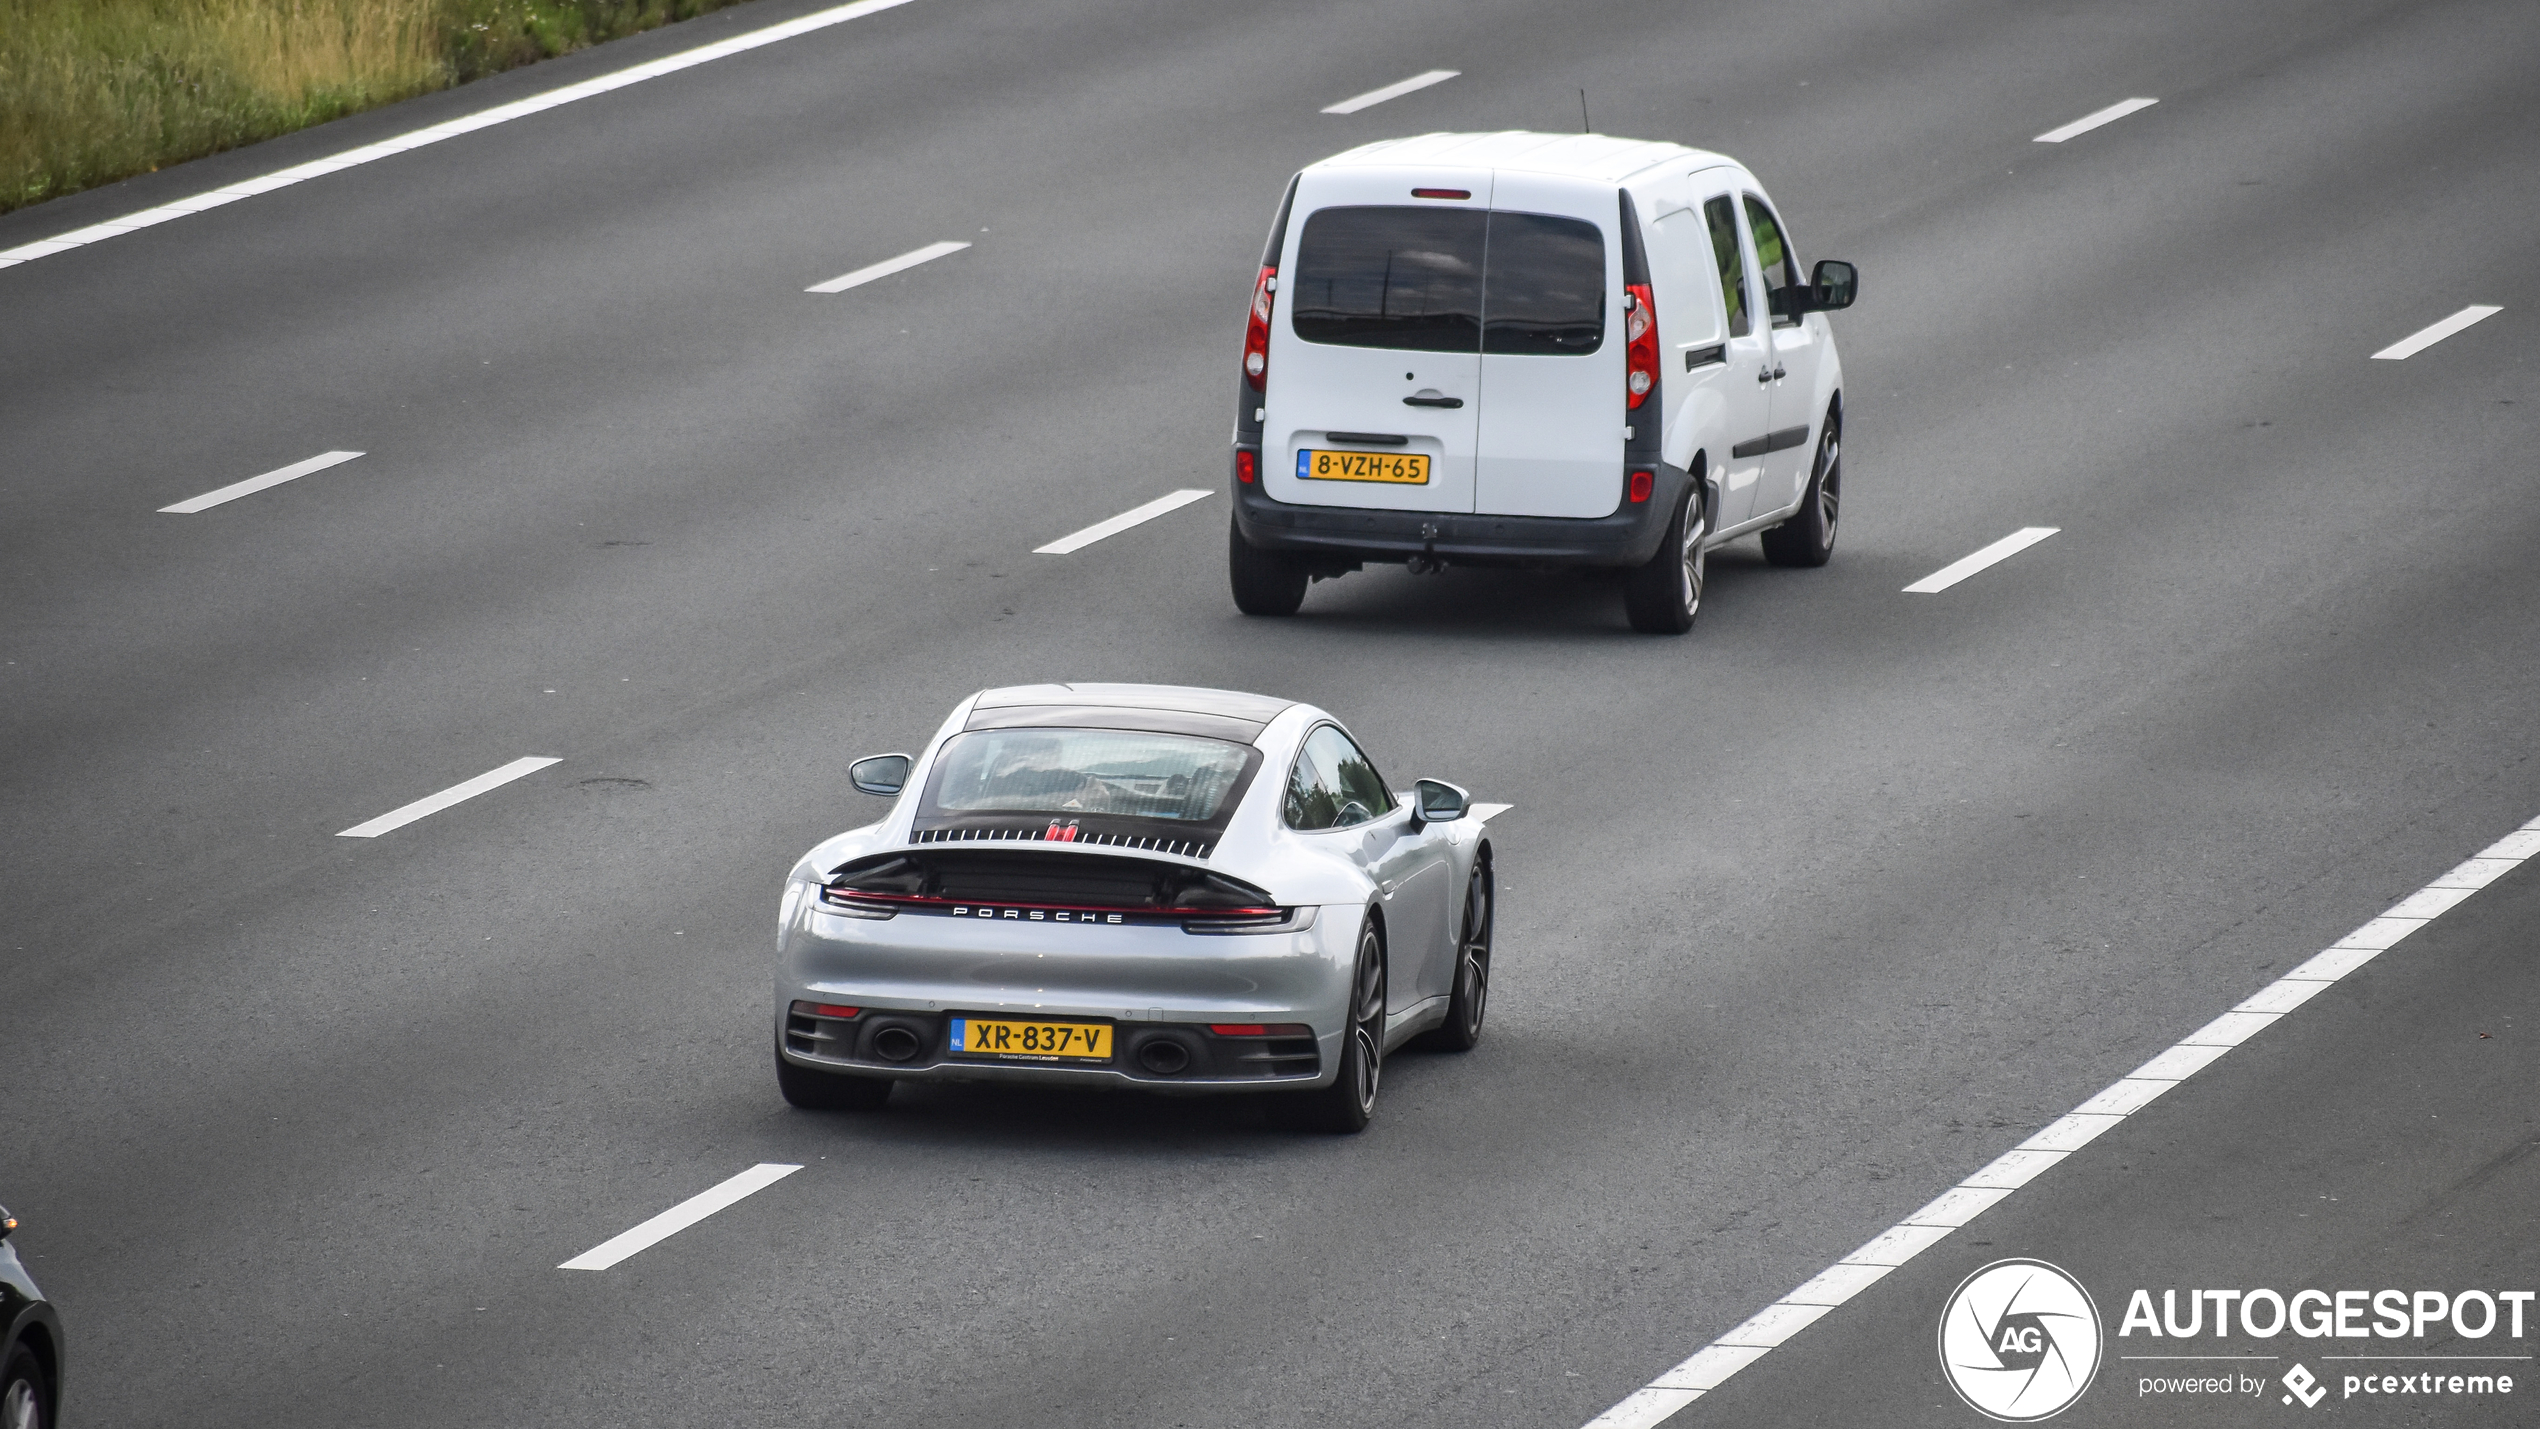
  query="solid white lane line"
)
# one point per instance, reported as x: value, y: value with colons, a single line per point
x: 254, y: 484
x: 455, y: 794
x: 469, y: 124
x: 2424, y: 338
x: 1965, y: 566
x: 1970, y: 1198
x: 679, y: 1217
x: 2088, y: 122
x: 1484, y: 813
x: 1119, y: 523
x: 1395, y: 90
x: 887, y: 267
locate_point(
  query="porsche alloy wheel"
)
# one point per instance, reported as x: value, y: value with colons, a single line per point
x: 1471, y: 999
x: 1349, y: 1102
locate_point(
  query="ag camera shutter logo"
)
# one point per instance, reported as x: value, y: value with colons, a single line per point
x: 2019, y: 1341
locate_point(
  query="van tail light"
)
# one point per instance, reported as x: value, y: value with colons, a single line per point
x: 1642, y: 482
x: 1257, y: 331
x: 1247, y: 466
x: 1640, y: 338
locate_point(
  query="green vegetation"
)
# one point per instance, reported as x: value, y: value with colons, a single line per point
x: 96, y: 90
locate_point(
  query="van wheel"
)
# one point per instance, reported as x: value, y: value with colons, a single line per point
x: 1265, y: 582
x: 1807, y: 538
x: 1664, y: 596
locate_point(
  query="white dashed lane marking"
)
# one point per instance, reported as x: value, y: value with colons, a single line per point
x: 679, y: 1217
x: 254, y: 484
x: 1955, y: 1207
x: 2424, y: 338
x: 455, y: 794
x: 887, y: 267
x: 501, y: 114
x: 1117, y: 524
x: 2088, y: 122
x: 1965, y: 566
x: 1395, y: 90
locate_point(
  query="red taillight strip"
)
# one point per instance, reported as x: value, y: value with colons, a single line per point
x: 1261, y: 1029
x: 920, y: 900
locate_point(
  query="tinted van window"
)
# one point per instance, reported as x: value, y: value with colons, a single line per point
x: 1376, y: 276
x: 1721, y: 215
x: 1543, y: 290
x: 1773, y: 255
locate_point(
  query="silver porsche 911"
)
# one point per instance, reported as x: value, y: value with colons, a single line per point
x: 1135, y: 886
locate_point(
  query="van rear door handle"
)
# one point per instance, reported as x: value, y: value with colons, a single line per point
x: 1433, y: 401
x: 1763, y: 375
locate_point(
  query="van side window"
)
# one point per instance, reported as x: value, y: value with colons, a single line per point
x: 1543, y: 289
x: 1333, y: 786
x: 1393, y: 277
x: 1773, y: 255
x: 1721, y: 215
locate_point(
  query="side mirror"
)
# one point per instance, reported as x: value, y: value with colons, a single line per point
x: 1438, y: 802
x: 1833, y: 285
x: 880, y: 773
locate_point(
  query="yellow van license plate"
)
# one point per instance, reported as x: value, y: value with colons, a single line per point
x: 1406, y: 468
x: 1043, y: 1041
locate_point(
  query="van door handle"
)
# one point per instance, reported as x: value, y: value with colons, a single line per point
x: 1433, y: 401
x: 1763, y: 375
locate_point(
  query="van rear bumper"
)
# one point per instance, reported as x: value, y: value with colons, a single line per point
x: 1346, y: 535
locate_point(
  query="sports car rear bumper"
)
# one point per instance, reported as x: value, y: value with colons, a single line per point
x: 1154, y: 983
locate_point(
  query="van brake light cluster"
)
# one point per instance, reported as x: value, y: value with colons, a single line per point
x: 1640, y: 336
x: 1257, y: 330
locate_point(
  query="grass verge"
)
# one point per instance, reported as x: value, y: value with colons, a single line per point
x: 92, y: 91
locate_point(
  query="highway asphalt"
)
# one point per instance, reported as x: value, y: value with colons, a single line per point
x: 1807, y: 915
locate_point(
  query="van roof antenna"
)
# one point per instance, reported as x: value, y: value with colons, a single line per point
x: 1583, y: 122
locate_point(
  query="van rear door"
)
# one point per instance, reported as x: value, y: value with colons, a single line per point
x: 1378, y: 359
x: 1550, y: 439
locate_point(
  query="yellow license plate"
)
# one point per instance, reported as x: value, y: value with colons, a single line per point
x: 1406, y: 468
x: 1040, y: 1041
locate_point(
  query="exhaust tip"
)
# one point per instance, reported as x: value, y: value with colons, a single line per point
x: 1165, y: 1058
x: 895, y: 1044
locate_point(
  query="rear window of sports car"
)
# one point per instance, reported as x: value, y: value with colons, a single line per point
x: 1127, y: 773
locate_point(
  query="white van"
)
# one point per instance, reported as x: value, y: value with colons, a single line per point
x: 1538, y: 350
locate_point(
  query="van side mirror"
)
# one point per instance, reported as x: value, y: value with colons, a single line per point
x: 880, y: 773
x: 1438, y: 802
x: 1833, y: 285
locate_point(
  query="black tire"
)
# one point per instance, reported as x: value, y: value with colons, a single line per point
x: 1462, y: 1030
x: 1265, y: 582
x: 1345, y: 1107
x: 816, y: 1090
x: 1807, y: 538
x: 26, y: 1398
x: 1664, y: 596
